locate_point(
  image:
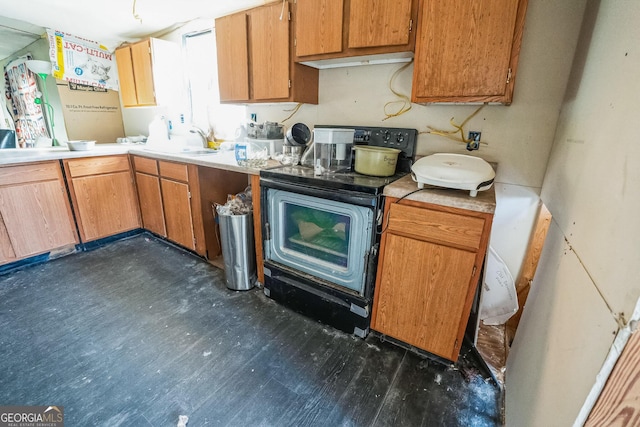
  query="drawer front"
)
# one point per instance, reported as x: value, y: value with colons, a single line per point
x: 23, y: 174
x: 436, y: 226
x: 97, y: 165
x: 176, y: 171
x: 145, y: 165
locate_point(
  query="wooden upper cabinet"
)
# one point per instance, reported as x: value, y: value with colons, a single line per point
x: 270, y: 52
x: 147, y: 72
x: 135, y: 74
x: 233, y: 57
x: 319, y: 27
x: 141, y: 59
x: 379, y: 23
x: 467, y: 51
x: 330, y: 29
x: 267, y: 73
x: 125, y: 76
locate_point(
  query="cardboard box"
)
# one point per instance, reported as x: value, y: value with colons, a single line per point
x: 90, y: 112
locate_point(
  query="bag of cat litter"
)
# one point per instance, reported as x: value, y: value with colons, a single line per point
x: 83, y: 61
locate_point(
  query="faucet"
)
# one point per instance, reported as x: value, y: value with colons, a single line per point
x: 203, y: 135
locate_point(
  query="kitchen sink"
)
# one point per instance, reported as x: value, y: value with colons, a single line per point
x: 200, y: 152
x: 185, y: 151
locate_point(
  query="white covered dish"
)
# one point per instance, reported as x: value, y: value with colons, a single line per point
x: 457, y: 171
x: 81, y: 145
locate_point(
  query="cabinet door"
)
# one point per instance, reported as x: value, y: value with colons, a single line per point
x: 143, y: 72
x: 7, y: 253
x: 269, y: 45
x: 177, y: 213
x: 464, y: 50
x: 422, y: 292
x: 233, y: 57
x: 318, y: 26
x: 36, y: 218
x: 379, y: 23
x: 126, y: 78
x: 150, y: 199
x: 105, y: 205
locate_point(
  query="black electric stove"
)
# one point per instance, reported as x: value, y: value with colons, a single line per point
x: 308, y: 278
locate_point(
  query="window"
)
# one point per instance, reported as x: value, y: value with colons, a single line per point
x: 202, y: 79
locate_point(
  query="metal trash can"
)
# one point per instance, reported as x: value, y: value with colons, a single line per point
x: 238, y: 250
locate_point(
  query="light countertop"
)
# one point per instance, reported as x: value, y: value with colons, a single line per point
x: 12, y: 156
x: 221, y: 160
x: 485, y: 201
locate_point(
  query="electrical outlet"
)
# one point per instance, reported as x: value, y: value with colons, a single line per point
x: 474, y: 140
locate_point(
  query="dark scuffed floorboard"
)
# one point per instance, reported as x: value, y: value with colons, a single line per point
x: 427, y: 394
x: 138, y: 332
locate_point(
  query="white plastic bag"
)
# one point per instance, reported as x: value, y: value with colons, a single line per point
x: 499, y: 297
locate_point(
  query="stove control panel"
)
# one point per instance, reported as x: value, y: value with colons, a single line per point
x: 400, y: 138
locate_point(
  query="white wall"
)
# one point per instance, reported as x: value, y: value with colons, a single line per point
x: 587, y: 282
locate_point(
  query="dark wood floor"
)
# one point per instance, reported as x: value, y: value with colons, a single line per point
x: 137, y: 332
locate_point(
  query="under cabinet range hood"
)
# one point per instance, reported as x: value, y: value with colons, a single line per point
x: 355, y: 61
x: 457, y: 171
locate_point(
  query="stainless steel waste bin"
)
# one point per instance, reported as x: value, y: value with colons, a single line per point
x: 238, y: 251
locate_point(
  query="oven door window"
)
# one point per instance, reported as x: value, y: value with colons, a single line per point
x: 320, y: 237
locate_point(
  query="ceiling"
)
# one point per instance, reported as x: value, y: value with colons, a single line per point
x: 109, y: 23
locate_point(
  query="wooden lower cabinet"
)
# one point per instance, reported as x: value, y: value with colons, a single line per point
x: 257, y: 226
x: 35, y: 215
x: 176, y: 199
x: 7, y: 254
x: 169, y: 196
x: 150, y: 197
x: 429, y: 266
x: 180, y: 188
x: 103, y: 196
